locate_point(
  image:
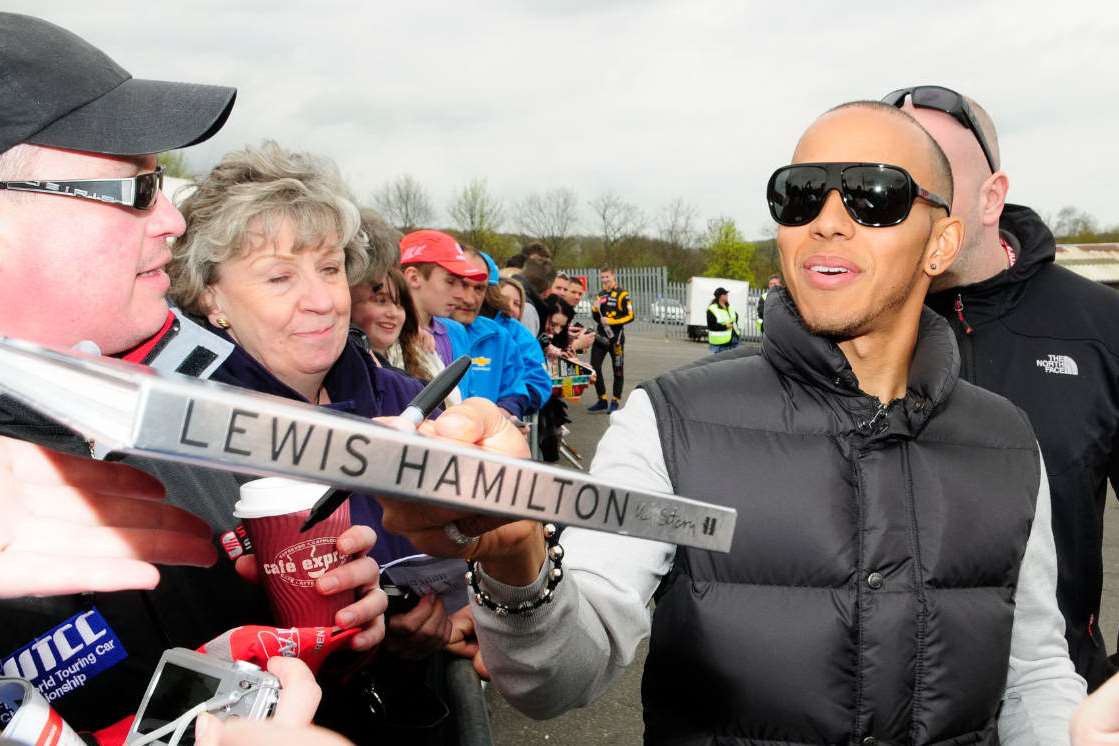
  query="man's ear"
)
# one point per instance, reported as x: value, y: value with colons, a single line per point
x: 411, y: 276
x: 945, y: 242
x: 992, y: 198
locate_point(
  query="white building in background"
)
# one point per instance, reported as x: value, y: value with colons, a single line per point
x: 1096, y: 261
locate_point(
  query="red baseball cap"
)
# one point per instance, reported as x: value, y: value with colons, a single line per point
x: 441, y: 249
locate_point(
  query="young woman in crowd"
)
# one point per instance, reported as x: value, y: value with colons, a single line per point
x: 382, y: 308
x: 553, y: 342
x: 555, y: 338
x: 383, y: 297
x: 514, y: 294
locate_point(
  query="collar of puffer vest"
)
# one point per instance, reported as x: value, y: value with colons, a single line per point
x: 818, y: 362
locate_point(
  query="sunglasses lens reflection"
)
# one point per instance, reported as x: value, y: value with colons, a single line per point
x: 147, y: 190
x: 876, y: 196
x: 797, y: 194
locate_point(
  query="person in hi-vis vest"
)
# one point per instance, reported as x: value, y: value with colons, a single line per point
x: 774, y: 282
x: 722, y: 323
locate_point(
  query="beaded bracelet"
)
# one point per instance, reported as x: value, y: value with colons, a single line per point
x: 555, y: 575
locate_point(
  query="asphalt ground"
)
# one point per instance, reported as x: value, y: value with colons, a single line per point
x: 616, y: 717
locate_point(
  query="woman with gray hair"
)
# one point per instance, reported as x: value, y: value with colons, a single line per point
x: 273, y: 242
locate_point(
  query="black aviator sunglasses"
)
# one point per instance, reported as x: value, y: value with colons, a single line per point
x: 140, y: 191
x: 944, y: 100
x: 875, y: 194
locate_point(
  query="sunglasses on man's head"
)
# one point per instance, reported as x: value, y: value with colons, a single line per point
x: 875, y: 194
x: 140, y: 191
x: 945, y: 100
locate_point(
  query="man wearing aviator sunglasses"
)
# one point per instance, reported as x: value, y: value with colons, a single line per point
x: 140, y: 191
x: 892, y: 575
x: 1040, y: 335
x: 875, y: 194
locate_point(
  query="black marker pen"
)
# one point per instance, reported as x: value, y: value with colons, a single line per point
x: 418, y: 410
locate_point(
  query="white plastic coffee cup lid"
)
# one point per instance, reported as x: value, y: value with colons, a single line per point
x: 271, y: 496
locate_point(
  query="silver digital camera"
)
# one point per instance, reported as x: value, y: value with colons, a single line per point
x: 185, y: 679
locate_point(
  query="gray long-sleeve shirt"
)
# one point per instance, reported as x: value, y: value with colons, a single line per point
x: 568, y: 652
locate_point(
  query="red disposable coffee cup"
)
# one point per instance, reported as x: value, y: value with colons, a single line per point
x: 290, y: 562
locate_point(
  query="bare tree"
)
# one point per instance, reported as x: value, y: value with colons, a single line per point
x: 549, y: 217
x: 405, y: 203
x: 477, y: 214
x: 1072, y: 221
x: 676, y: 224
x: 617, y: 219
x: 768, y: 231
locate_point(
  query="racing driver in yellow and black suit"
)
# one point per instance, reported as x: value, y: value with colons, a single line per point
x: 612, y: 310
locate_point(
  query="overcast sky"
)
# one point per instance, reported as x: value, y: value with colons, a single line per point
x: 654, y: 100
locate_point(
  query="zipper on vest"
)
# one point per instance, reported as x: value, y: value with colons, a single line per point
x: 959, y: 306
x: 879, y: 414
x: 964, y: 342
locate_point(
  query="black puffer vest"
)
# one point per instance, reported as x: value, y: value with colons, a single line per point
x: 869, y: 596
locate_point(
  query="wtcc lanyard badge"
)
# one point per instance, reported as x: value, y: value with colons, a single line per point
x: 63, y: 659
x: 26, y: 717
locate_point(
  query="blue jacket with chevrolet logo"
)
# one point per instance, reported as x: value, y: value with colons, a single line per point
x: 495, y: 373
x: 534, y: 374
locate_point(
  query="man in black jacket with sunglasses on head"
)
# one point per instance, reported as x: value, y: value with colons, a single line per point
x: 1040, y: 335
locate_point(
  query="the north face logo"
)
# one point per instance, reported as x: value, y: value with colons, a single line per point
x: 1059, y: 364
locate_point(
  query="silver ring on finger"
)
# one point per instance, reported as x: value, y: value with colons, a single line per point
x: 455, y: 534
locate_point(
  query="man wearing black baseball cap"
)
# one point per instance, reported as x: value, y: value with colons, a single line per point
x: 77, y: 127
x: 83, y: 231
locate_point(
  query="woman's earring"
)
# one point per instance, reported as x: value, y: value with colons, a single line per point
x: 931, y: 266
x: 222, y: 322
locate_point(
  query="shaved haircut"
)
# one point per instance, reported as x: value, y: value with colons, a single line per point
x: 987, y: 127
x: 942, y: 169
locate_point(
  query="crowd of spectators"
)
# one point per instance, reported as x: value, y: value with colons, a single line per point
x: 305, y: 296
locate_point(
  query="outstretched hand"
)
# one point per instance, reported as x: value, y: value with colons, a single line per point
x: 1096, y: 721
x: 481, y: 423
x: 71, y: 524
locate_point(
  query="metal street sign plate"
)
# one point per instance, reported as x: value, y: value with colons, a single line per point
x: 168, y: 416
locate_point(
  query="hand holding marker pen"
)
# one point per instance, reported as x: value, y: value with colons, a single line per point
x: 418, y: 410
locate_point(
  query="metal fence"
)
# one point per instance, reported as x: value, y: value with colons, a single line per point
x: 660, y: 306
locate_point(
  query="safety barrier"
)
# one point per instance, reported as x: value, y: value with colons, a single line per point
x: 468, y: 703
x: 660, y: 306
